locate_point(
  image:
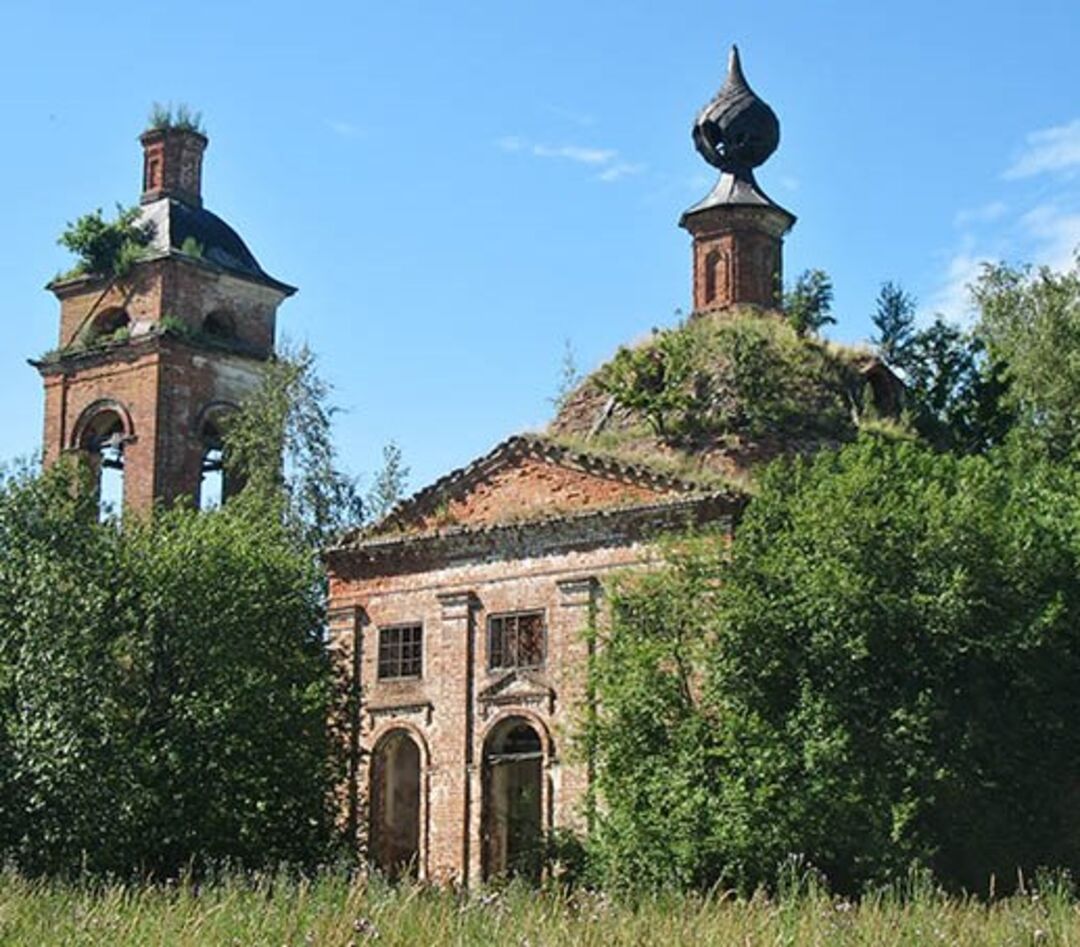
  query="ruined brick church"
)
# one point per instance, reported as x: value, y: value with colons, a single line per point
x: 464, y: 614
x: 461, y: 618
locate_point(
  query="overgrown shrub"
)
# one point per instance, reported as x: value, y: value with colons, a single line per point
x: 882, y: 672
x: 748, y: 375
x: 165, y: 689
x: 107, y: 247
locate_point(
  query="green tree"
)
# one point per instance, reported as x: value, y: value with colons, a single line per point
x: 165, y: 688
x: 1030, y: 322
x: 107, y: 248
x: 389, y: 485
x: 569, y: 377
x: 894, y: 318
x: 808, y: 304
x: 881, y: 673
x: 280, y: 447
x: 954, y: 390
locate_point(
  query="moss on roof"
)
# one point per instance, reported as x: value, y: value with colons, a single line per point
x: 719, y: 394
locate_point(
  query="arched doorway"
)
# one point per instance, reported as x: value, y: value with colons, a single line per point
x: 394, y: 831
x: 513, y: 813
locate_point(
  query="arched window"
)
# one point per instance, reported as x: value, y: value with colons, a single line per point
x: 215, y: 485
x: 712, y: 259
x: 394, y: 836
x: 101, y: 438
x: 512, y: 804
x: 110, y: 322
x: 212, y: 488
x: 220, y: 325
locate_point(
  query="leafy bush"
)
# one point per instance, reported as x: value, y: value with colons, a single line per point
x: 881, y: 673
x: 748, y: 374
x: 107, y: 248
x: 164, y: 686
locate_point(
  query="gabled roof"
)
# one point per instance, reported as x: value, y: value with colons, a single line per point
x: 513, y: 451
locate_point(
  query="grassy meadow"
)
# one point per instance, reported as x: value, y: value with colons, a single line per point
x: 334, y: 910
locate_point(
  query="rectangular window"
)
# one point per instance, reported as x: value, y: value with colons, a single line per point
x: 516, y: 641
x: 401, y: 652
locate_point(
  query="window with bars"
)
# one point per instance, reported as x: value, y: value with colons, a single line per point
x: 516, y: 641
x: 401, y: 652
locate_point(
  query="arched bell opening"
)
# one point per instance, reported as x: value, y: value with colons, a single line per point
x: 109, y: 323
x: 215, y: 484
x: 212, y: 490
x: 220, y: 325
x: 512, y: 816
x: 101, y: 436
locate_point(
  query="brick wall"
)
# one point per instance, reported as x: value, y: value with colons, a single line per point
x: 454, y: 706
x: 533, y: 487
x: 184, y: 290
x: 737, y: 255
x: 163, y: 384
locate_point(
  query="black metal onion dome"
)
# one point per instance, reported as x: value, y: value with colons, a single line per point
x: 736, y: 131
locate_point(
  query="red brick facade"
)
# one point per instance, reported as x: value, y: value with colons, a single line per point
x: 149, y: 362
x: 533, y: 529
x: 737, y: 258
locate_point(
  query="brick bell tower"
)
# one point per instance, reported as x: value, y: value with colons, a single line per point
x: 737, y: 229
x: 149, y: 363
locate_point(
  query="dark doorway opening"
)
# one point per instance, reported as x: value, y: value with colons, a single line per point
x: 512, y: 813
x: 394, y: 838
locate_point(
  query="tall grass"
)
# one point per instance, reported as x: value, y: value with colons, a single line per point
x: 334, y: 910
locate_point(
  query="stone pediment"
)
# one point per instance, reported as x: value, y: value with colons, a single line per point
x: 517, y: 689
x: 526, y: 479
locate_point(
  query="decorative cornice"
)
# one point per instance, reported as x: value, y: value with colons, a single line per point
x: 576, y: 532
x: 422, y: 709
x: 131, y: 349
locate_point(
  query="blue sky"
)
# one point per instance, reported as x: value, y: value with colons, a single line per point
x: 459, y: 188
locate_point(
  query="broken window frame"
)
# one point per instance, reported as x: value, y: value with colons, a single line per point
x: 505, y: 641
x: 401, y: 652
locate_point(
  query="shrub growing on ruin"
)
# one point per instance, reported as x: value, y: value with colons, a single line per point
x: 881, y: 673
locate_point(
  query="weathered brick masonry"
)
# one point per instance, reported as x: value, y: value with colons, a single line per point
x: 147, y: 364
x: 531, y: 529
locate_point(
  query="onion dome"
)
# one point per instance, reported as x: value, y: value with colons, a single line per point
x: 737, y: 130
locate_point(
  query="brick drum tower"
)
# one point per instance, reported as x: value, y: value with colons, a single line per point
x: 148, y: 363
x: 737, y: 229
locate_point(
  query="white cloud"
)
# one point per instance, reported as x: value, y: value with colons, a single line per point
x: 985, y: 214
x: 617, y: 172
x: 1056, y: 232
x: 1051, y: 149
x: 789, y: 182
x: 607, y: 161
x: 953, y: 298
x: 1027, y: 226
x: 344, y: 129
x: 575, y: 153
